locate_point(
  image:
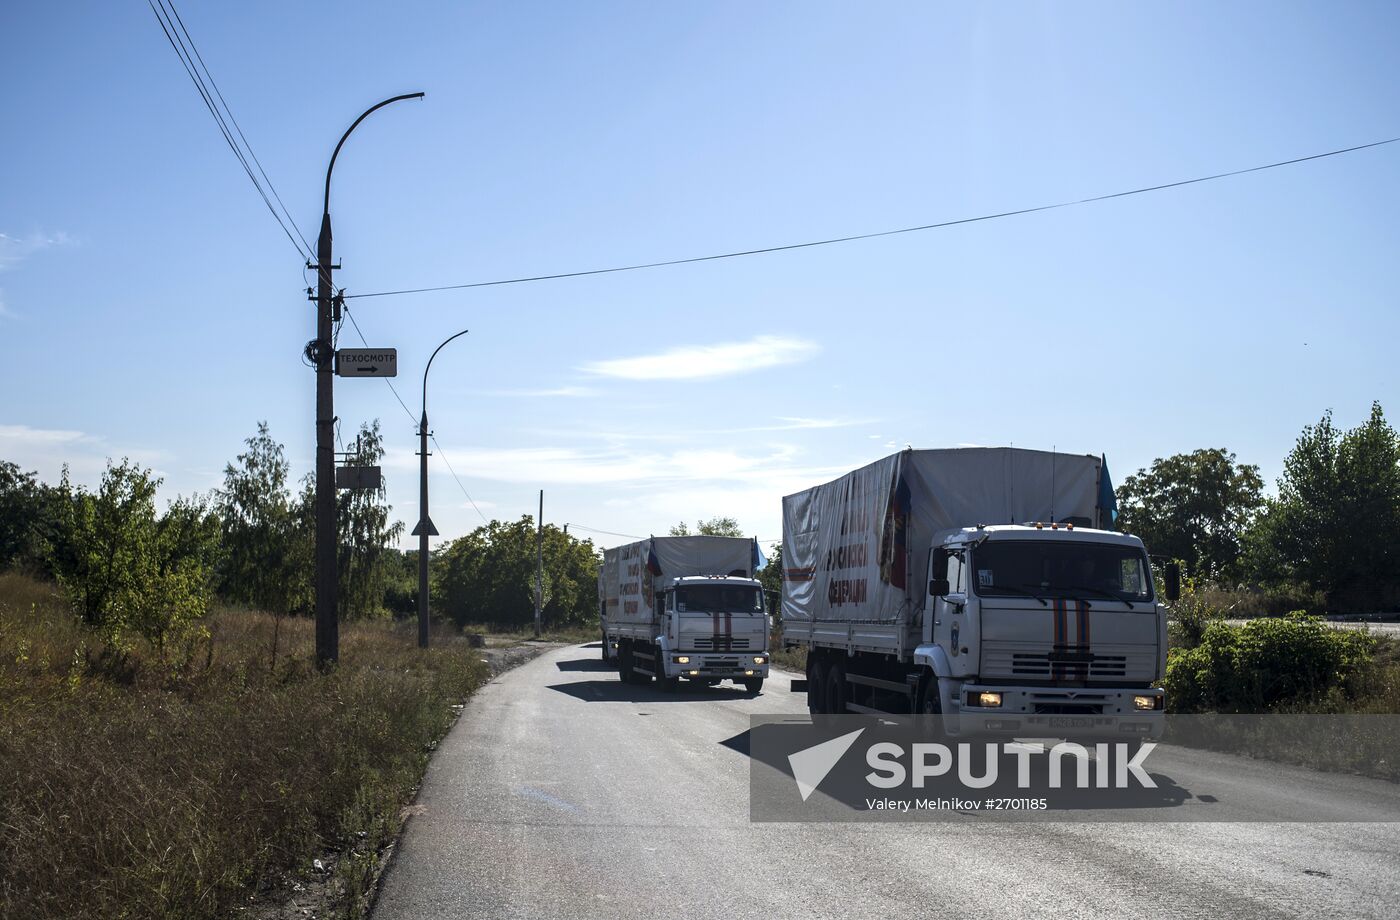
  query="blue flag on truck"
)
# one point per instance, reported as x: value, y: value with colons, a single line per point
x: 1108, y: 499
x: 760, y: 561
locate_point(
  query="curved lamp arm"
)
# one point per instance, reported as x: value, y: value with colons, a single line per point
x: 430, y: 367
x: 326, y: 209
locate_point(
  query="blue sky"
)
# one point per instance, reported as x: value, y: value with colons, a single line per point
x: 150, y: 307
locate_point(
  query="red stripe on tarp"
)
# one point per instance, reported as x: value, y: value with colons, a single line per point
x: 729, y: 625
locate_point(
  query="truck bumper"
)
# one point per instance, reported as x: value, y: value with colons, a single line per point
x: 711, y: 666
x: 1094, y: 713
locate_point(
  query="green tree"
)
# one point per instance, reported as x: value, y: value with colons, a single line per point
x: 21, y: 507
x: 488, y: 576
x: 1335, y: 525
x: 714, y: 527
x: 267, y: 551
x: 1194, y: 507
x: 131, y: 569
x: 364, y: 556
x: 772, y: 574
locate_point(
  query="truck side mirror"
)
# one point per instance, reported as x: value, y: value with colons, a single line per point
x: 1172, y: 579
x: 938, y: 587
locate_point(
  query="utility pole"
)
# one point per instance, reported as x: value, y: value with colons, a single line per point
x: 539, y: 564
x: 322, y: 354
x: 425, y: 523
x: 425, y: 526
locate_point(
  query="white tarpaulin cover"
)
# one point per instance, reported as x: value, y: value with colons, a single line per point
x: 630, y: 574
x: 854, y: 549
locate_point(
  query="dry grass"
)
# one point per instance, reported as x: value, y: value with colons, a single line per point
x: 137, y: 787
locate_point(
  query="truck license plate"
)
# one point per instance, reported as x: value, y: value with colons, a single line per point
x: 1071, y: 722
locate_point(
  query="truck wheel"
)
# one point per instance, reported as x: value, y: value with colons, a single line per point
x: 606, y: 659
x: 816, y: 687
x: 753, y: 685
x: 930, y: 708
x: 624, y: 662
x: 663, y: 683
x: 836, y: 692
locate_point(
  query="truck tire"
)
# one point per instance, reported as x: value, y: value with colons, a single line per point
x: 929, y: 708
x: 606, y: 659
x: 837, y: 690
x: 930, y: 701
x: 816, y: 686
x: 624, y: 662
x: 663, y: 683
x: 753, y: 685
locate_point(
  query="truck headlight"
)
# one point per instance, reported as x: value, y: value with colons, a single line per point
x: 1145, y: 702
x: 682, y: 659
x: 759, y: 659
x: 989, y: 700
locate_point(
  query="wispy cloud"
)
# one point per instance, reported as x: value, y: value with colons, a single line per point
x: 543, y: 393
x: 698, y: 362
x: 781, y: 423
x: 15, y: 249
x: 618, y: 466
x: 48, y: 450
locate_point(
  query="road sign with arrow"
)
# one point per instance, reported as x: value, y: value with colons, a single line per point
x: 367, y: 362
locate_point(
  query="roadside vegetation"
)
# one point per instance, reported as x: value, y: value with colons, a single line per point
x: 191, y: 779
x: 167, y: 747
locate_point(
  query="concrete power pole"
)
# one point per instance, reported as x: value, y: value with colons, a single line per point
x: 425, y: 528
x: 425, y: 524
x: 539, y: 564
x: 322, y: 355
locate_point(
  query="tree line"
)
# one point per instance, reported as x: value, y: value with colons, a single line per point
x: 128, y: 568
x: 1330, y: 536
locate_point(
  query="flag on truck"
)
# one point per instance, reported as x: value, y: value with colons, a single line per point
x: 1108, y: 499
x: 760, y: 561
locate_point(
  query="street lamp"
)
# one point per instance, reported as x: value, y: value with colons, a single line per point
x: 425, y: 526
x: 321, y: 352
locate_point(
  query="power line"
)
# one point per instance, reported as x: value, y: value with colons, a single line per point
x: 185, y: 50
x: 629, y: 536
x: 869, y: 236
x: 443, y: 455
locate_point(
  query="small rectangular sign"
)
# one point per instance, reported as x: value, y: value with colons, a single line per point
x: 367, y: 362
x: 358, y: 477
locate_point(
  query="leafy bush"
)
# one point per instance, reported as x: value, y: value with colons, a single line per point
x: 1267, y: 664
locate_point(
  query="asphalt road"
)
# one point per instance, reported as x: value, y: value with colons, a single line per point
x: 562, y: 793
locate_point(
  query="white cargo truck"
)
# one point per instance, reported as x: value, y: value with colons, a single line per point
x: 978, y: 585
x: 685, y: 608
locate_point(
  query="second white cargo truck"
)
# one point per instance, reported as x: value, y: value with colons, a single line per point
x: 685, y: 608
x: 983, y: 586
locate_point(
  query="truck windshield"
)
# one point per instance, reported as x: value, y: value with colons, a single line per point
x: 1103, y: 571
x: 718, y: 599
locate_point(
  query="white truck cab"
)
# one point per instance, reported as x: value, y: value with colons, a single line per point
x: 713, y: 628
x: 1044, y: 629
x: 685, y: 608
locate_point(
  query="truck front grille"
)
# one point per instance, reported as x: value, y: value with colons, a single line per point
x: 1103, y: 666
x: 719, y: 643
